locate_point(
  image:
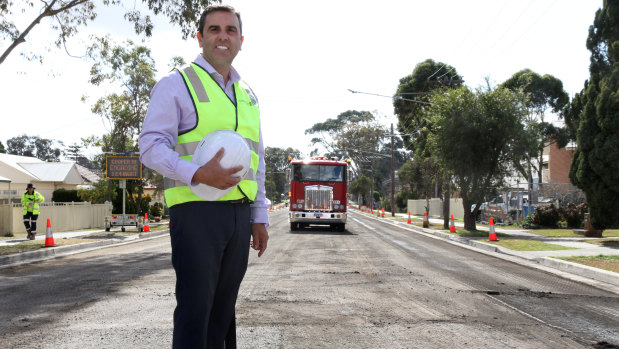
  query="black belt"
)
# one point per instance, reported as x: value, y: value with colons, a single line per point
x: 239, y: 201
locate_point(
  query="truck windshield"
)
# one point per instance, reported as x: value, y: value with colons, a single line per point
x: 319, y: 173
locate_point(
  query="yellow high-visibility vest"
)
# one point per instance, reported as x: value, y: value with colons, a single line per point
x: 215, y: 111
x: 30, y: 202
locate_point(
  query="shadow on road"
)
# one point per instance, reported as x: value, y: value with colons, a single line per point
x: 39, y: 293
x: 319, y: 230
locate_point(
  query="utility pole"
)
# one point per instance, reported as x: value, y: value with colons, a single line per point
x: 392, y: 177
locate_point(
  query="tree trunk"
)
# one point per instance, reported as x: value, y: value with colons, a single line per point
x: 446, y: 199
x: 469, y: 218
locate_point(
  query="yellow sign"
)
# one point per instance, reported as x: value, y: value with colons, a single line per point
x: 123, y: 167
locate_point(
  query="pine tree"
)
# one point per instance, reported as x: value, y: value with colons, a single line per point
x: 594, y: 118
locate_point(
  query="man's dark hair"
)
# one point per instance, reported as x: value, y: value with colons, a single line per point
x: 215, y: 8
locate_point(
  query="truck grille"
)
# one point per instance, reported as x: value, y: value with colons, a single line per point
x: 318, y: 197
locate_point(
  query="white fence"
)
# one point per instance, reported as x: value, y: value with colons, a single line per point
x: 417, y: 207
x: 64, y: 216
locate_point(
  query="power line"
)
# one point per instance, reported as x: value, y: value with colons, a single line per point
x: 392, y: 97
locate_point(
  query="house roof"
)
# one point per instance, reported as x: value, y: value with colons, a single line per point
x: 87, y: 175
x: 24, y: 169
x: 10, y: 168
x: 65, y: 172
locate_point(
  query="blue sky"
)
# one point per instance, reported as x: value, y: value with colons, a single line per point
x: 302, y: 57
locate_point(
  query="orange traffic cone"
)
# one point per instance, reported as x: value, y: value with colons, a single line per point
x: 49, y: 238
x: 492, y: 236
x: 382, y: 214
x: 409, y: 218
x: 426, y: 223
x: 146, y: 225
x: 452, y: 225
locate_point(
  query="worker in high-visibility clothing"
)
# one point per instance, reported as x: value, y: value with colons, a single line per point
x: 30, y: 202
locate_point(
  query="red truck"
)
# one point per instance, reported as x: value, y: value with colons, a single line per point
x: 318, y: 193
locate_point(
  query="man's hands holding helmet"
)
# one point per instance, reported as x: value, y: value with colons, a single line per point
x: 212, y: 174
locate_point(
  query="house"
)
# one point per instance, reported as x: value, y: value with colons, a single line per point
x: 46, y: 176
x: 556, y: 163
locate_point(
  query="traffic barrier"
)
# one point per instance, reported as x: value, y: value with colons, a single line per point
x: 146, y: 223
x: 452, y: 225
x: 382, y: 214
x: 409, y: 218
x: 492, y: 235
x: 426, y: 223
x: 49, y: 237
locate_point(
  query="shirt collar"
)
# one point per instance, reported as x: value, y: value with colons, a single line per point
x: 234, y: 75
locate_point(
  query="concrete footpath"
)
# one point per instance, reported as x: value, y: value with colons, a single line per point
x: 543, y: 260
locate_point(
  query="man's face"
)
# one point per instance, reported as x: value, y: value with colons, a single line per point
x: 220, y: 39
x: 30, y: 190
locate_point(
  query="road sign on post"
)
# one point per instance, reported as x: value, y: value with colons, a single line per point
x: 123, y: 166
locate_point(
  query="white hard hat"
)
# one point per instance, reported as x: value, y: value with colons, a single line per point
x: 236, y: 153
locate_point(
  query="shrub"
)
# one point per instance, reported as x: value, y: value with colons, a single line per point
x: 156, y: 210
x: 64, y: 195
x: 547, y: 216
x: 574, y: 215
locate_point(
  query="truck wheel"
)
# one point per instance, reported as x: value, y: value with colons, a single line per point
x: 293, y: 226
x: 107, y: 229
x: 122, y: 229
x: 341, y: 227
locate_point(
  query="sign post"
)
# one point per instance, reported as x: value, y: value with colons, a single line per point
x: 122, y: 167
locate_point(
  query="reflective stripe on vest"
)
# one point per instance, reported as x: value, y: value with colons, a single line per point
x: 215, y: 111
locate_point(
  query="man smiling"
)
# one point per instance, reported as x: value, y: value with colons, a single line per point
x: 210, y: 239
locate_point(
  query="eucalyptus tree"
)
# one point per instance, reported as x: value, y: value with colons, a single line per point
x: 545, y: 94
x: 593, y: 118
x: 67, y: 17
x: 411, y: 103
x: 34, y: 146
x: 131, y: 68
x: 474, y: 135
x: 356, y: 135
x: 276, y: 163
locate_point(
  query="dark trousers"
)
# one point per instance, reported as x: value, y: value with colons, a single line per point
x: 210, y: 250
x: 30, y: 221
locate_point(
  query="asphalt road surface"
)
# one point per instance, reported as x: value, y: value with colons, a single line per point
x: 373, y: 286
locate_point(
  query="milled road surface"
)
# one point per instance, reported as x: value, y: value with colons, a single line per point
x: 374, y: 286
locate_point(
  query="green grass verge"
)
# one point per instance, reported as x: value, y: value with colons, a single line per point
x: 528, y: 245
x: 610, y: 263
x: 569, y: 233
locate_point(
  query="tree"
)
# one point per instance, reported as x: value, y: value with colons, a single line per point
x: 34, y: 146
x: 474, y: 136
x: 411, y: 103
x: 74, y: 152
x: 412, y: 99
x: 132, y: 67
x: 544, y: 93
x: 416, y: 177
x: 67, y: 17
x: 593, y: 117
x: 276, y: 163
x: 361, y: 187
x: 358, y: 135
x: 2, y: 150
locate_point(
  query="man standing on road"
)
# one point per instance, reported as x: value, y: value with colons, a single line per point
x: 210, y: 239
x: 30, y: 202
